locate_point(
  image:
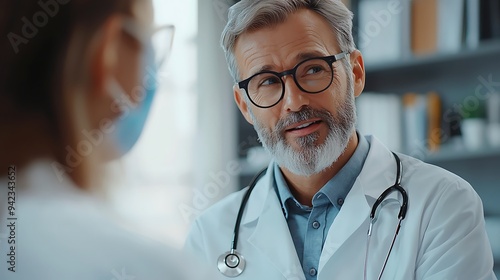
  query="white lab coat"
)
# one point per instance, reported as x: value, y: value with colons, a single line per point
x: 442, y: 237
x: 64, y: 233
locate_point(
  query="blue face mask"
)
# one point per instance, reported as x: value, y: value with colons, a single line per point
x: 129, y: 126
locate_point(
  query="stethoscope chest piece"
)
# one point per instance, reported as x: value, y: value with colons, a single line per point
x: 231, y: 263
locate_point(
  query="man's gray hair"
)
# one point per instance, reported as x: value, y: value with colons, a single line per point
x: 250, y: 15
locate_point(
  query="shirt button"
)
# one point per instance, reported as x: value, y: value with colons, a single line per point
x: 312, y: 271
x: 316, y: 224
x: 340, y: 201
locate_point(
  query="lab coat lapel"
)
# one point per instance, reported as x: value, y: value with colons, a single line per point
x: 259, y: 197
x: 353, y: 214
x: 272, y: 236
x: 377, y: 174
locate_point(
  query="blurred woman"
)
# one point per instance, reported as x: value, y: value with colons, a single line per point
x: 77, y: 78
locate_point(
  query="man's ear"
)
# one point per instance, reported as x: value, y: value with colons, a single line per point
x: 104, y: 58
x: 358, y: 72
x: 242, y: 104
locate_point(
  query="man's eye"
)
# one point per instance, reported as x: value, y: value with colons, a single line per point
x: 269, y: 81
x: 314, y: 69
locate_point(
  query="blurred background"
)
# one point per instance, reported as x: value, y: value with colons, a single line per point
x: 432, y: 91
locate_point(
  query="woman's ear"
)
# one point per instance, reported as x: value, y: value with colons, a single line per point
x: 358, y: 72
x: 104, y: 58
x: 242, y: 104
x: 107, y: 96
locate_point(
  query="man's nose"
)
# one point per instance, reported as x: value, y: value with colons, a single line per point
x: 294, y: 98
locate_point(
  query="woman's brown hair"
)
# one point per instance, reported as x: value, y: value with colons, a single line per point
x: 37, y: 38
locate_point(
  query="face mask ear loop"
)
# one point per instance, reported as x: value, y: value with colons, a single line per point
x: 118, y: 94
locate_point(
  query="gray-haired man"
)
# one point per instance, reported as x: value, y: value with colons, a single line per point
x: 297, y: 74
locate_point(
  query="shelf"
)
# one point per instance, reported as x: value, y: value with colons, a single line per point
x: 454, y: 153
x: 486, y: 49
x: 444, y: 72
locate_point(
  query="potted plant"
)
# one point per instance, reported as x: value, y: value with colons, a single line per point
x: 473, y: 126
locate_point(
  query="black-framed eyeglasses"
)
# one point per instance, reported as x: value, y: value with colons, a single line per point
x: 314, y: 75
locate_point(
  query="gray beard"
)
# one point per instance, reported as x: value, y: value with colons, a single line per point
x: 311, y: 158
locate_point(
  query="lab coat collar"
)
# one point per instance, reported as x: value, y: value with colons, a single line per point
x: 379, y: 171
x: 260, y: 195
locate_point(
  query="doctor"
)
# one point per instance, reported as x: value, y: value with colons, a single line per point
x: 297, y: 74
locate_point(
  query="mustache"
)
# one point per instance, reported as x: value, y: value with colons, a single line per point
x: 304, y: 114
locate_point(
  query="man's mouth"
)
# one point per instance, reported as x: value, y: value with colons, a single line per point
x: 304, y: 128
x: 306, y: 125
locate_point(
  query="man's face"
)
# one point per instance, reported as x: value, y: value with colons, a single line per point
x: 305, y: 133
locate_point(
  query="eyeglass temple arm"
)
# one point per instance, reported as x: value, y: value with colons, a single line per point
x: 340, y: 55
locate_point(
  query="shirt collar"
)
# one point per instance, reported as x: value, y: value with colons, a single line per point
x: 335, y: 190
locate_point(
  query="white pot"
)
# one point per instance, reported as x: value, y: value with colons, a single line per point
x: 474, y: 133
x: 494, y: 134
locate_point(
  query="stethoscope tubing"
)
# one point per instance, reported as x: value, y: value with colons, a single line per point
x: 243, y: 204
x: 401, y: 215
x: 232, y: 263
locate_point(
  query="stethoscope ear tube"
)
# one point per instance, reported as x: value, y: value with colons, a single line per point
x: 395, y: 187
x: 404, y: 205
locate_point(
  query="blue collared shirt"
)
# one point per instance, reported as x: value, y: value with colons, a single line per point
x: 309, y: 225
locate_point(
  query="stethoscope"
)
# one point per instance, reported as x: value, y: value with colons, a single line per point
x: 232, y: 263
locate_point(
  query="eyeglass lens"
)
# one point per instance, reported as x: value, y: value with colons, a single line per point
x: 312, y: 76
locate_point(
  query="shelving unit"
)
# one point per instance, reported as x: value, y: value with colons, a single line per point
x: 455, y: 77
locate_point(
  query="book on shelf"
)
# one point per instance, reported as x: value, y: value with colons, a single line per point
x: 380, y: 115
x: 408, y: 123
x: 414, y: 116
x: 437, y: 26
x: 489, y: 15
x: 384, y: 30
x: 473, y: 26
x: 422, y: 122
x: 434, y: 113
x: 450, y: 25
x: 495, y: 19
x: 424, y: 27
x: 482, y: 21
